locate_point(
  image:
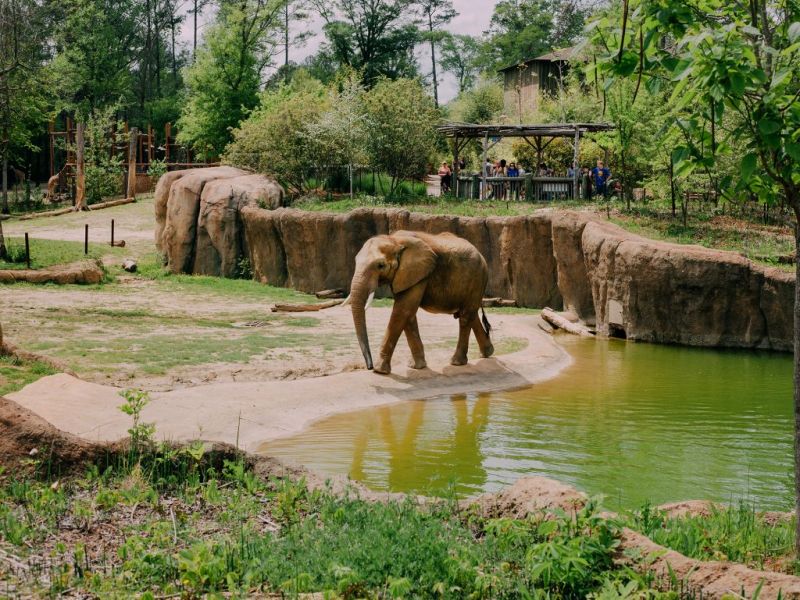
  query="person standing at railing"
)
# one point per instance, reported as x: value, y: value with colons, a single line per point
x: 600, y: 176
x: 446, y: 176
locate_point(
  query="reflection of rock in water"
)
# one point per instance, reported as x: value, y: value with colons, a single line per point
x: 450, y: 456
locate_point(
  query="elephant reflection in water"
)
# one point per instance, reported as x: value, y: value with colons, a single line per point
x: 422, y: 464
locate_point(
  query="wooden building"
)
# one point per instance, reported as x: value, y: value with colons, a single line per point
x: 525, y: 83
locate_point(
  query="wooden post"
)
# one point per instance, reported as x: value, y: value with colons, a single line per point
x: 27, y: 251
x: 167, y: 134
x: 455, y: 168
x: 112, y: 232
x: 80, y: 169
x: 149, y: 143
x: 50, y: 130
x: 483, y: 165
x: 134, y: 138
x: 86, y: 239
x: 575, y: 167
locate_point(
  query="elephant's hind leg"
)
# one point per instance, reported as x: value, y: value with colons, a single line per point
x: 484, y: 342
x: 460, y: 356
x: 415, y: 344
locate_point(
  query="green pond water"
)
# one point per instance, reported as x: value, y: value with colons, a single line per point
x: 636, y: 422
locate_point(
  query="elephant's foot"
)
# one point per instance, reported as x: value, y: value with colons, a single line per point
x: 384, y: 368
x: 458, y: 360
x: 488, y: 351
x: 417, y: 363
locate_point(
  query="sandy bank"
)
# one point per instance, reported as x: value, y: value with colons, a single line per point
x: 249, y: 413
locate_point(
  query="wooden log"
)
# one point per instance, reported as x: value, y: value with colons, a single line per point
x: 330, y: 294
x: 305, y: 307
x: 498, y: 303
x: 63, y: 211
x: 559, y: 322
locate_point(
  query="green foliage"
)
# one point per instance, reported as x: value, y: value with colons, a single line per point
x: 16, y: 373
x: 104, y: 171
x: 224, y: 81
x: 275, y: 139
x: 141, y: 433
x: 737, y: 533
x: 402, y: 133
x: 46, y: 253
x: 524, y: 29
x: 156, y: 169
x: 482, y: 103
x: 459, y: 57
x: 376, y: 39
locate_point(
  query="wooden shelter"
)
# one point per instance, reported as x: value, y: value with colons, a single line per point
x: 538, y: 136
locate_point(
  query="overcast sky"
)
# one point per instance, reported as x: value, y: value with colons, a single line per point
x: 473, y: 19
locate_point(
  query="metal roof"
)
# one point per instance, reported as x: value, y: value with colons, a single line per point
x: 471, y: 130
x: 559, y: 55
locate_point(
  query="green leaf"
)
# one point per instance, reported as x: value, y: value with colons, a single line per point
x: 794, y: 31
x: 780, y: 77
x: 737, y: 83
x: 793, y: 150
x: 749, y: 164
x: 768, y: 127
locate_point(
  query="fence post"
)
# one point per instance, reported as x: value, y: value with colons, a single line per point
x: 86, y: 239
x: 134, y: 138
x: 476, y: 187
x: 112, y: 232
x: 27, y: 251
x: 529, y: 187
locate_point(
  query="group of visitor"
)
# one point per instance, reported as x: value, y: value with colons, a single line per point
x: 595, y: 180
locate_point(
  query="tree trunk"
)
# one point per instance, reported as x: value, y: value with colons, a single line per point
x: 433, y: 62
x: 793, y: 199
x: 6, y: 209
x: 80, y: 168
x: 194, y: 36
x: 672, y: 183
x: 286, y: 43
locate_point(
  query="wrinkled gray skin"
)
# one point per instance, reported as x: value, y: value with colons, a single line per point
x: 439, y: 273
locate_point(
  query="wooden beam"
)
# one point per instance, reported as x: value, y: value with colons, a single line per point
x: 80, y: 169
x: 132, y: 143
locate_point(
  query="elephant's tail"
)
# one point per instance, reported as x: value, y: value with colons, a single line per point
x: 486, y: 326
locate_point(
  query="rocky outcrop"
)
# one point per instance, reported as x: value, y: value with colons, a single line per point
x: 621, y: 283
x: 220, y: 239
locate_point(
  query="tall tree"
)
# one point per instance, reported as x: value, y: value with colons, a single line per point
x: 225, y: 79
x: 22, y: 101
x: 97, y: 45
x: 524, y: 29
x: 460, y: 57
x: 374, y: 37
x: 724, y: 57
x: 435, y: 14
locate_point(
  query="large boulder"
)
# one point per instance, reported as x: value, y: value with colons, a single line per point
x: 221, y: 242
x: 160, y: 199
x: 183, y: 208
x: 671, y: 293
x: 571, y: 276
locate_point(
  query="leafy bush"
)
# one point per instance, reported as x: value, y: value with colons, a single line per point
x: 104, y: 172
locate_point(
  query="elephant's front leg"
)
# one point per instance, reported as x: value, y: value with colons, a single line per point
x: 415, y: 344
x: 464, y: 328
x: 405, y: 308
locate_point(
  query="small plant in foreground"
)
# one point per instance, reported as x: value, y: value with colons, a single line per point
x: 141, y: 433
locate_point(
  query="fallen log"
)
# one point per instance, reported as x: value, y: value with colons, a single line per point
x: 559, y: 322
x: 305, y: 307
x: 330, y: 294
x: 69, y: 209
x: 498, y: 303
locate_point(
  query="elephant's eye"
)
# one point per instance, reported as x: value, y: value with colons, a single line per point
x: 381, y: 265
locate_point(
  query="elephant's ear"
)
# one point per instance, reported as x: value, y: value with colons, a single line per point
x: 417, y: 261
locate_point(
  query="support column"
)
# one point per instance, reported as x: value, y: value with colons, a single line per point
x: 455, y: 169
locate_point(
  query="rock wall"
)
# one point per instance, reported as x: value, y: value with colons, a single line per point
x: 197, y: 211
x: 625, y: 285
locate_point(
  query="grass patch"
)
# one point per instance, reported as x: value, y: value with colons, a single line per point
x: 47, y: 253
x: 157, y: 354
x: 174, y: 523
x: 15, y: 374
x: 737, y: 533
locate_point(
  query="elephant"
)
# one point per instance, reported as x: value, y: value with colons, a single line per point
x: 440, y: 273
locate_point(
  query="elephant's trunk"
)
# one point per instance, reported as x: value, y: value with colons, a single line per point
x: 363, y: 285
